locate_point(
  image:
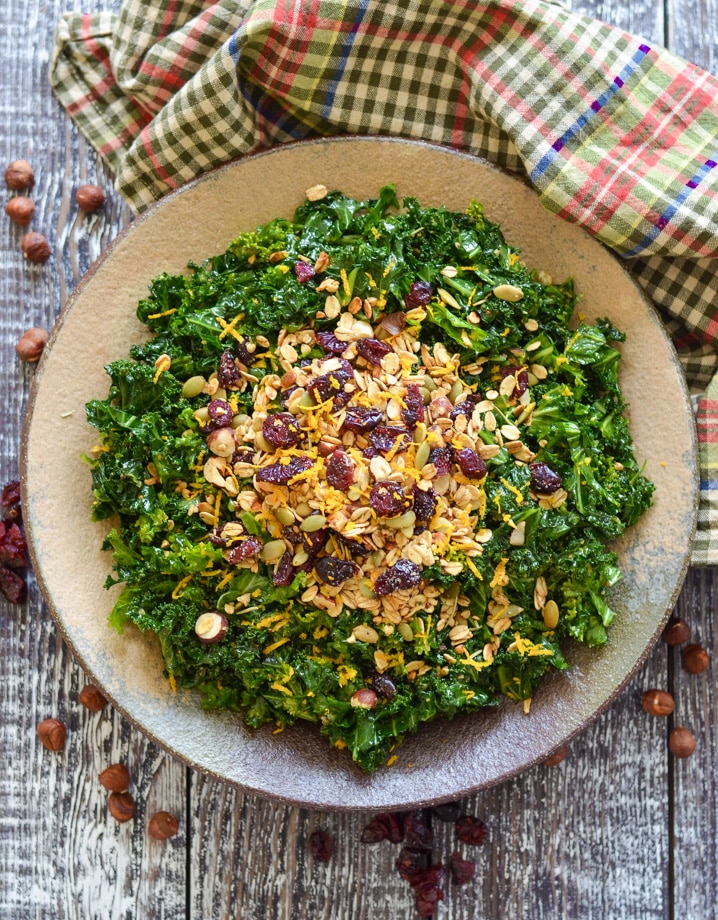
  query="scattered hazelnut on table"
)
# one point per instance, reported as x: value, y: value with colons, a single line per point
x: 31, y: 343
x: 676, y: 632
x: 116, y: 778
x: 19, y: 175
x: 694, y: 658
x: 35, y: 247
x: 681, y: 742
x: 91, y: 698
x: 90, y: 198
x: 162, y: 826
x: 658, y: 702
x: 122, y: 806
x: 557, y: 757
x: 52, y: 733
x: 20, y: 210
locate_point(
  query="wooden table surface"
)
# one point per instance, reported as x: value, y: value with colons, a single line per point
x: 618, y: 830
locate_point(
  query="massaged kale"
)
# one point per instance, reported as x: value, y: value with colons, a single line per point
x: 369, y: 445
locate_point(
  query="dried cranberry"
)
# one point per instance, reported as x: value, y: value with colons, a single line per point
x: 420, y: 294
x: 434, y: 875
x: 369, y: 453
x: 329, y: 342
x: 334, y: 571
x: 340, y: 470
x: 10, y: 494
x: 466, y: 406
x: 281, y: 473
x: 449, y: 811
x: 372, y: 350
x: 304, y: 271
x: 11, y: 585
x: 424, y: 503
x: 227, y: 372
x: 246, y: 356
x: 427, y: 897
x: 387, y: 437
x: 281, y: 429
x: 522, y: 379
x: 314, y: 542
x: 470, y: 830
x: 410, y: 863
x: 321, y: 845
x: 462, y: 870
x: 385, y: 826
x: 383, y: 685
x: 470, y: 463
x: 13, y: 546
x: 441, y: 458
x: 413, y: 410
x: 387, y: 498
x: 354, y: 546
x: 403, y: 574
x: 284, y: 572
x: 543, y: 479
x: 331, y: 385
x: 249, y: 548
x: 362, y: 419
x: 243, y: 455
x: 285, y: 394
x: 417, y: 834
x: 220, y: 414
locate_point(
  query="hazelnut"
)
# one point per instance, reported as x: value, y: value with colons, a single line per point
x: 90, y: 198
x: 30, y: 346
x: 557, y: 757
x: 35, y: 247
x: 681, y: 742
x: 122, y: 806
x: 694, y: 658
x: 92, y: 699
x: 19, y: 175
x: 52, y: 733
x: 162, y: 826
x: 364, y: 699
x: 657, y: 703
x: 222, y: 442
x: 676, y: 632
x: 20, y: 210
x: 211, y: 627
x: 116, y: 778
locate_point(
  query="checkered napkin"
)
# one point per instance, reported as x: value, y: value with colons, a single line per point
x: 615, y: 134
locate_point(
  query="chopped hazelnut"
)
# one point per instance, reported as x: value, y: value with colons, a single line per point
x: 211, y: 627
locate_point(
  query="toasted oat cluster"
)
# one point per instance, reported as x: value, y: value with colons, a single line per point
x: 366, y: 466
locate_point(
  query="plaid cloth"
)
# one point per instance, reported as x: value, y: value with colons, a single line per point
x: 615, y: 134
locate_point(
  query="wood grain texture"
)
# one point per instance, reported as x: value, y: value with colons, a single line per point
x: 617, y: 831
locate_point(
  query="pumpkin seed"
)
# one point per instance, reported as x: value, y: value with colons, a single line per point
x: 273, y: 550
x: 313, y: 523
x: 193, y: 386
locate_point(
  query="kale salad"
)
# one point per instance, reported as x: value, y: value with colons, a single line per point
x: 364, y: 473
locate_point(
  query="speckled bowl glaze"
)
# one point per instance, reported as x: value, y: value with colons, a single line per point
x: 445, y: 759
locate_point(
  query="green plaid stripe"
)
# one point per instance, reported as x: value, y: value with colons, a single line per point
x: 169, y: 89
